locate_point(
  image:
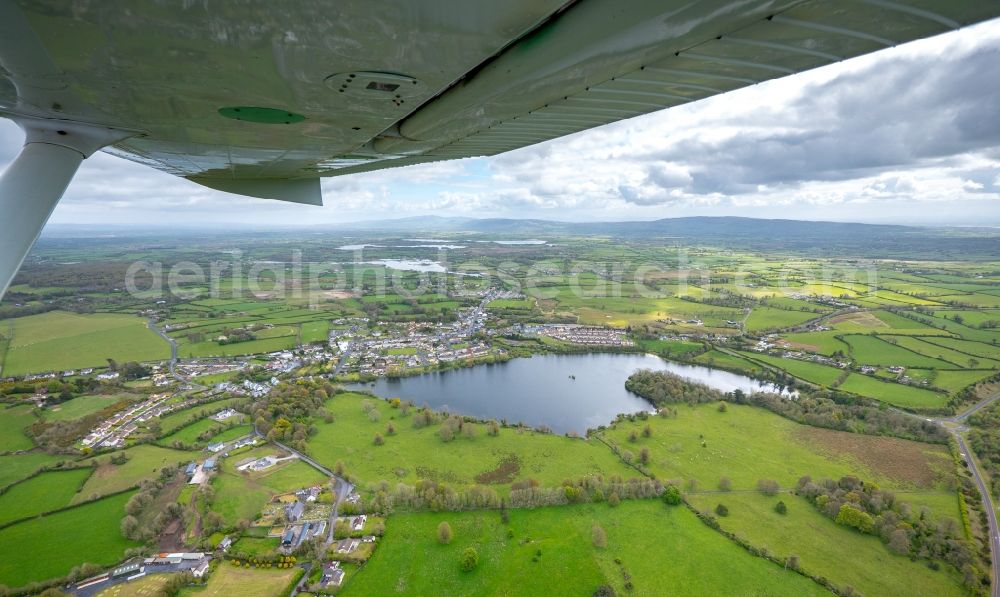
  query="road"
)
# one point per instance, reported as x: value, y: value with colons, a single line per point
x: 151, y: 324
x: 991, y: 512
x: 341, y: 486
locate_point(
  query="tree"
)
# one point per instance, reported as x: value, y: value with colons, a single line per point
x: 444, y: 533
x: 768, y: 486
x: 852, y: 516
x: 598, y: 536
x: 614, y: 500
x: 725, y: 484
x: 633, y: 436
x: 470, y: 558
x: 604, y: 591
x: 378, y: 439
x: 647, y: 431
x: 129, y: 526
x: 446, y: 433
x: 390, y: 429
x: 644, y: 456
x: 722, y: 407
x: 781, y: 508
x: 899, y: 541
x: 672, y: 496
x: 792, y: 562
x: 722, y: 510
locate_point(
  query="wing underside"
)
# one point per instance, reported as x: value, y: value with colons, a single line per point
x: 250, y: 99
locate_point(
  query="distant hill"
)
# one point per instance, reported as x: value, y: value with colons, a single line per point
x: 868, y: 240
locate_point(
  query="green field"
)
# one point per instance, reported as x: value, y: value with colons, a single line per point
x: 767, y: 318
x: 14, y: 467
x: 872, y: 350
x: 657, y: 545
x: 893, y: 393
x: 746, y: 444
x: 47, y: 547
x: 825, y: 548
x: 228, y: 581
x: 413, y: 454
x: 15, y: 420
x: 144, y: 462
x: 58, y: 340
x: 84, y: 405
x: 44, y: 493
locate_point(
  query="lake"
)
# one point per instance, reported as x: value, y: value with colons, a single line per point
x: 541, y: 390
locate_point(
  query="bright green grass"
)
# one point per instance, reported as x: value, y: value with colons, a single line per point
x: 242, y: 496
x: 256, y: 546
x: 955, y: 381
x: 411, y: 453
x: 812, y: 372
x: 974, y: 349
x: 520, y: 304
x: 747, y: 444
x: 174, y: 421
x: 14, y: 467
x: 872, y: 350
x: 44, y: 493
x: 766, y: 318
x: 58, y: 340
x: 898, y: 323
x: 145, y: 462
x: 189, y: 433
x: 236, y: 498
x: 826, y: 548
x: 893, y: 393
x: 42, y: 548
x: 83, y: 406
x: 13, y: 422
x: 214, y: 349
x: 944, y: 353
x: 716, y: 358
x: 658, y: 546
x: 315, y: 331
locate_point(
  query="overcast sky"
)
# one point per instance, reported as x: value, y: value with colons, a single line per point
x: 907, y: 135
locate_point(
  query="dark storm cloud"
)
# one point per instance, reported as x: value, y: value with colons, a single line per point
x: 898, y: 113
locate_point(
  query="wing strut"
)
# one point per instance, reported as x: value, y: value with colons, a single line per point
x: 32, y: 184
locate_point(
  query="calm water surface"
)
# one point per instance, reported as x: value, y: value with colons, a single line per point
x: 563, y: 392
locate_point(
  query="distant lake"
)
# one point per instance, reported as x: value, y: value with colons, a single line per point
x: 540, y: 390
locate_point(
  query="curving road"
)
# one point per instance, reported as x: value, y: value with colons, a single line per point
x: 991, y: 512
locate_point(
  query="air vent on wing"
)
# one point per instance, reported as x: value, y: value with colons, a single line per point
x: 397, y: 89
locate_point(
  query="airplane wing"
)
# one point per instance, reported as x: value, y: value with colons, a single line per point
x: 261, y: 98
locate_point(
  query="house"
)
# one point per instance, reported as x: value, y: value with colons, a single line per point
x: 192, y: 467
x: 200, y: 570
x: 358, y: 522
x: 288, y: 537
x: 347, y: 545
x: 332, y: 575
x: 295, y: 511
x: 216, y: 447
x: 209, y: 465
x: 225, y: 543
x: 368, y: 539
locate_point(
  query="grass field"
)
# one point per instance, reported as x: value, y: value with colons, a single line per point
x: 411, y: 453
x: 825, y: 548
x: 872, y: 350
x: 893, y: 393
x: 658, y: 546
x: 14, y: 467
x: 240, y: 496
x: 58, y: 340
x: 83, y: 406
x: 44, y: 493
x: 150, y: 586
x: 228, y: 581
x: 47, y: 547
x: 15, y: 420
x: 766, y: 318
x: 144, y: 462
x: 747, y: 444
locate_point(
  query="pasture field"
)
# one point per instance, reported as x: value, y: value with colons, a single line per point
x: 825, y: 343
x: 82, y: 406
x: 14, y: 467
x: 716, y: 358
x: 411, y: 454
x: 873, y: 350
x: 816, y: 373
x: 144, y: 462
x: 824, y: 548
x: 47, y: 547
x: 44, y: 493
x: 514, y: 304
x: 956, y: 358
x: 189, y: 433
x: 15, y: 420
x: 671, y: 348
x: 315, y: 331
x: 955, y: 381
x: 658, y: 546
x: 973, y: 349
x: 228, y: 580
x: 58, y: 340
x: 893, y: 393
x: 182, y: 418
x: 147, y: 586
x: 746, y: 444
x: 769, y: 318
